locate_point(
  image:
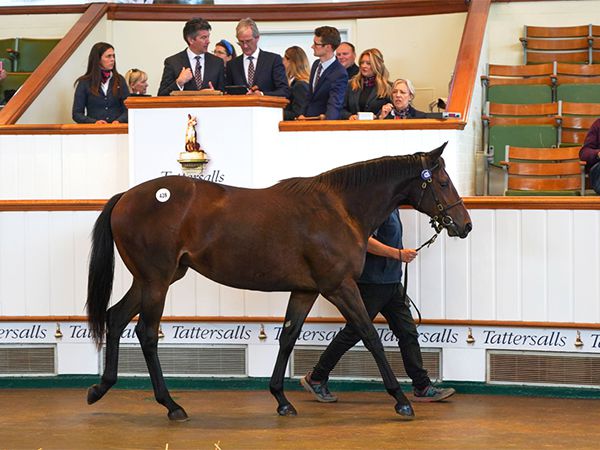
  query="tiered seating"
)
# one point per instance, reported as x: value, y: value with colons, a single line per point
x: 575, y: 121
x: 20, y: 57
x: 578, y: 83
x: 543, y: 171
x: 562, y: 44
x: 519, y: 84
x: 532, y: 125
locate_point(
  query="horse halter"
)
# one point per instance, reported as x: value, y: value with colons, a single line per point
x: 443, y: 220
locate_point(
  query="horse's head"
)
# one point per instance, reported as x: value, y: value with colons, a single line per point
x: 434, y: 194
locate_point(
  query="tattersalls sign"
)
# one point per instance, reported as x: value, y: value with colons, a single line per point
x: 433, y: 336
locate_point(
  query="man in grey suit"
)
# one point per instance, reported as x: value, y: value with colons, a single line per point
x: 194, y: 68
x: 260, y: 71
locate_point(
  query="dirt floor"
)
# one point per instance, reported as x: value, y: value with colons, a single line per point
x: 226, y: 420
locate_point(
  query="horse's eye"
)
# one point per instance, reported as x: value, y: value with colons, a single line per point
x: 444, y: 184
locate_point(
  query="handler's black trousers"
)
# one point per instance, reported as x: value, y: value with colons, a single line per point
x: 387, y: 299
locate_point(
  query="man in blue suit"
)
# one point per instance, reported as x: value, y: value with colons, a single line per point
x: 328, y: 78
x: 260, y: 71
x: 194, y: 68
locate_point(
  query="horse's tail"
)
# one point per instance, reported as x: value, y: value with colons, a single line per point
x: 101, y: 273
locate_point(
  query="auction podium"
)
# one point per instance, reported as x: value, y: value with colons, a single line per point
x: 239, y: 133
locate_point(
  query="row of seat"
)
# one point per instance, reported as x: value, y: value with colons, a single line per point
x: 24, y: 54
x: 542, y: 83
x: 573, y: 44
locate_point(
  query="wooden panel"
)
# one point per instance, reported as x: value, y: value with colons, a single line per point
x: 577, y: 69
x: 573, y: 137
x: 467, y: 61
x: 567, y: 79
x: 63, y: 129
x: 533, y: 257
x: 560, y: 266
x: 590, y: 109
x: 533, y: 109
x: 509, y: 121
x: 365, y: 125
x: 508, y: 266
x: 563, y: 168
x: 556, y: 32
x: 291, y: 11
x: 557, y: 44
x: 493, y: 81
x: 520, y: 70
x: 544, y: 184
x: 542, y: 153
x: 586, y: 265
x: 483, y: 265
x: 571, y: 57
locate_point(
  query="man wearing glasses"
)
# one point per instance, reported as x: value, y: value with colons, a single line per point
x: 328, y: 78
x: 194, y: 68
x: 260, y: 71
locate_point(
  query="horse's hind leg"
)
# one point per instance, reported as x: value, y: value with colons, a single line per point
x: 147, y: 333
x: 117, y: 318
x: 299, y: 306
x: 348, y: 301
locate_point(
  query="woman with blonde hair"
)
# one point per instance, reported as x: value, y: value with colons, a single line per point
x: 297, y: 72
x: 369, y: 89
x: 403, y: 93
x: 137, y: 82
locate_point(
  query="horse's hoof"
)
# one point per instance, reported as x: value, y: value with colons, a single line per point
x: 94, y: 394
x: 287, y: 410
x: 405, y: 411
x: 178, y: 415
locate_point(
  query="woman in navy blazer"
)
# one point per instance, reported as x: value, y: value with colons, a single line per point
x: 296, y: 66
x: 101, y: 92
x: 370, y: 88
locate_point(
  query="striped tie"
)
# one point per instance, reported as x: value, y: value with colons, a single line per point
x: 198, y: 73
x: 251, y: 71
x: 318, y: 75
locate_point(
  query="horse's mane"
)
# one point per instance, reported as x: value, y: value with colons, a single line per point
x: 354, y: 175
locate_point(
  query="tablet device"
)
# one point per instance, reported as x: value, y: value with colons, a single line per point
x: 236, y: 89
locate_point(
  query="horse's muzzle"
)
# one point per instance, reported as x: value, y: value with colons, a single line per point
x: 453, y: 229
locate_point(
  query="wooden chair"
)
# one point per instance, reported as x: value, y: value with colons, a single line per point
x: 518, y: 84
x: 562, y: 44
x: 575, y: 121
x: 595, y: 44
x: 579, y: 83
x: 543, y: 171
x: 532, y: 125
x: 32, y: 51
x: 7, y: 53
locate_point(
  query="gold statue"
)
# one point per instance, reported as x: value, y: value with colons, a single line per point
x: 194, y: 158
x: 191, y: 140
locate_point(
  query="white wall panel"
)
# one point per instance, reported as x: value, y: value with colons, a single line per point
x: 457, y: 287
x: 433, y: 279
x: 508, y: 265
x: 586, y: 266
x: 37, y: 263
x: 560, y: 266
x: 534, y: 288
x: 12, y: 264
x: 482, y: 265
x: 61, y: 248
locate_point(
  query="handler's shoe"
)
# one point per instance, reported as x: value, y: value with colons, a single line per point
x: 318, y: 389
x: 432, y: 394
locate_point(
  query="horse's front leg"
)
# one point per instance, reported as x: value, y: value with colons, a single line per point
x: 299, y: 306
x: 348, y: 300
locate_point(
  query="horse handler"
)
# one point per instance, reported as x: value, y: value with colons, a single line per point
x: 382, y: 292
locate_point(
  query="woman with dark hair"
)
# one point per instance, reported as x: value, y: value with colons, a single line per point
x: 370, y: 88
x: 298, y: 72
x: 224, y: 50
x: 100, y: 93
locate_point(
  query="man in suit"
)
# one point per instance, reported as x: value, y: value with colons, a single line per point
x: 194, y: 68
x: 260, y: 71
x: 328, y: 78
x: 346, y: 55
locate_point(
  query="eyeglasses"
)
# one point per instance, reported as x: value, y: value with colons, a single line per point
x: 318, y: 44
x: 246, y: 42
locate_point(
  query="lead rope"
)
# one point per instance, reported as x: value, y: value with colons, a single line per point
x: 404, y: 296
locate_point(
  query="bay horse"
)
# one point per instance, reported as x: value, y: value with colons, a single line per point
x: 304, y: 235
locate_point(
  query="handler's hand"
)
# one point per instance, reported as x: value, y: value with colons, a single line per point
x: 407, y: 254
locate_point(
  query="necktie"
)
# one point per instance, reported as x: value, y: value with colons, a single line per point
x: 318, y: 75
x: 251, y: 71
x: 198, y: 73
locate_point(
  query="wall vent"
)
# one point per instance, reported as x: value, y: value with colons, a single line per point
x: 543, y: 368
x: 185, y: 361
x: 358, y: 363
x: 27, y: 360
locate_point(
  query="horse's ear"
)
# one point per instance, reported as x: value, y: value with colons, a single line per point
x: 434, y: 155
